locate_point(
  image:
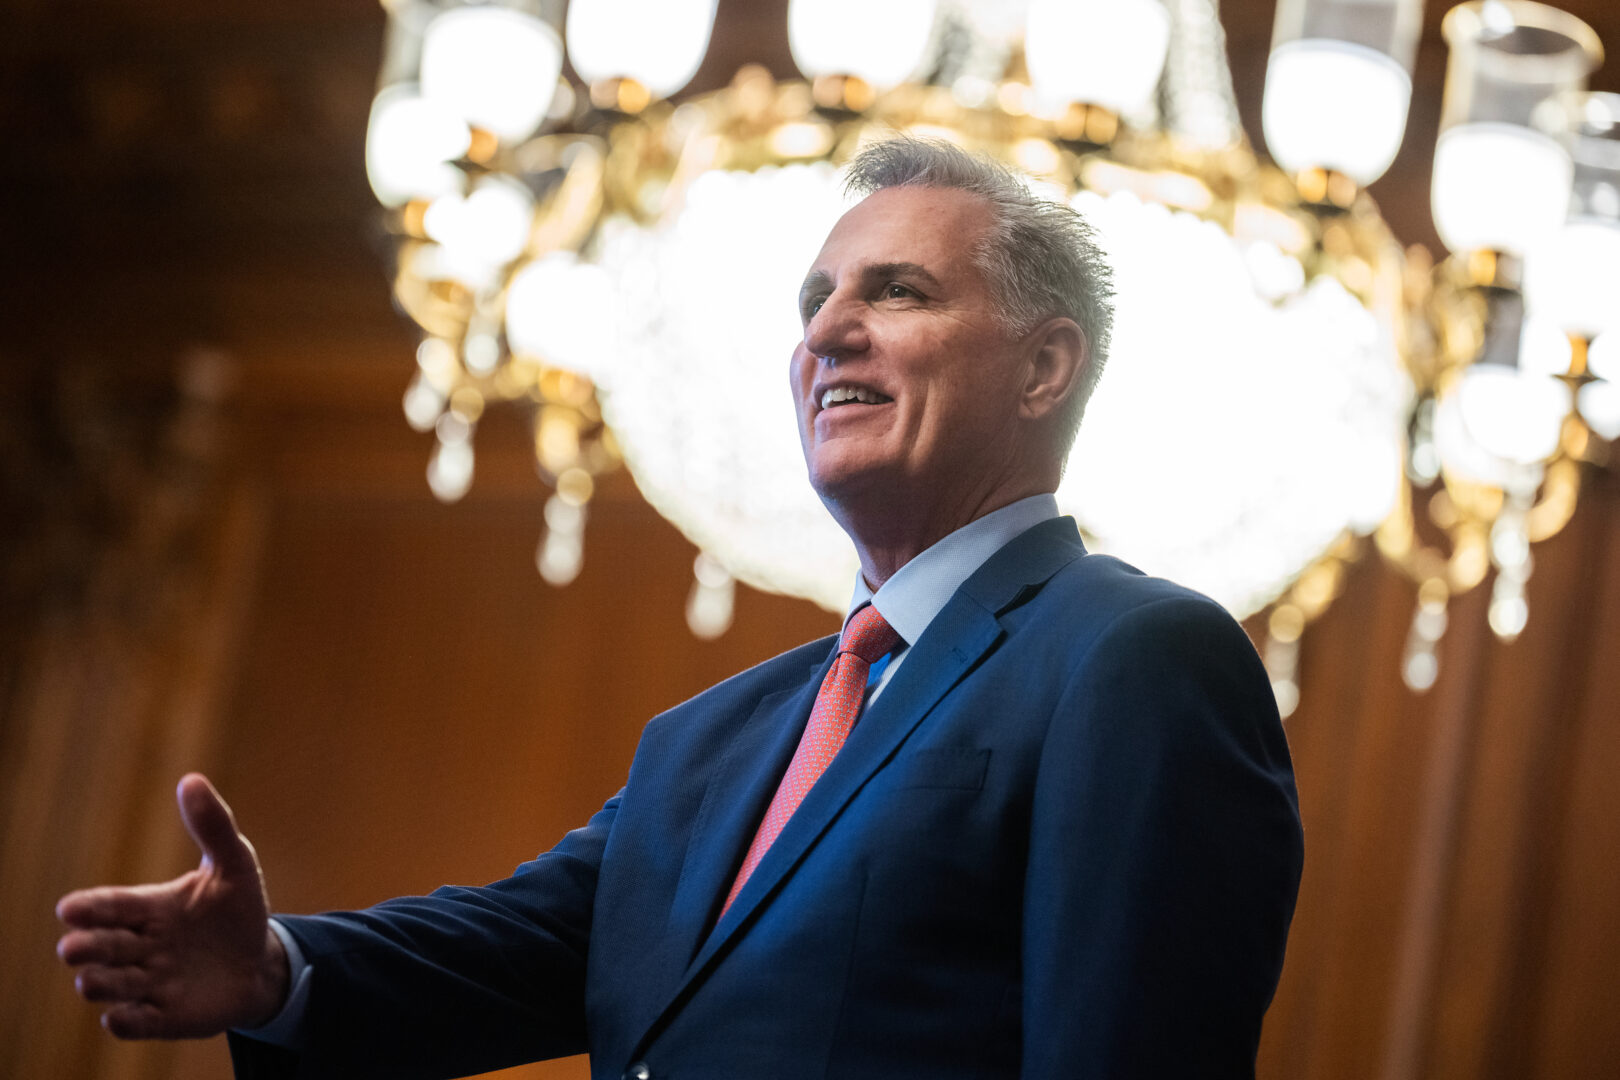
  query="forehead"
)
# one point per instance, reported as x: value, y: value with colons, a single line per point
x: 933, y: 227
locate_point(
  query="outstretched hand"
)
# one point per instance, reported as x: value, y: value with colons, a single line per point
x: 187, y: 958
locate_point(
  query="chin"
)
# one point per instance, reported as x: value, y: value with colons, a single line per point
x: 840, y: 480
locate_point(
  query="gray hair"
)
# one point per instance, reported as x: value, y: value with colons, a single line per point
x: 1040, y: 257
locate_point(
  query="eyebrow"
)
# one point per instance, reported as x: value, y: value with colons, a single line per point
x: 820, y: 281
x: 814, y: 282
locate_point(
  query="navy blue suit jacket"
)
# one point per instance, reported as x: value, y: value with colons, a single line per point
x: 1062, y: 843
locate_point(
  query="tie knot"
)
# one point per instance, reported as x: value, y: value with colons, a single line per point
x: 868, y: 635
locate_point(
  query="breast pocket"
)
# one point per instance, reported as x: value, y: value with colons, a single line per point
x: 961, y: 767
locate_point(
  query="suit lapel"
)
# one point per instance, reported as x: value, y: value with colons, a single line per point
x: 738, y: 792
x: 740, y: 786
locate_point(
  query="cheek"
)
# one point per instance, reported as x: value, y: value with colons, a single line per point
x: 801, y: 373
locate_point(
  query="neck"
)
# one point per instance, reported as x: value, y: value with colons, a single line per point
x: 889, y: 533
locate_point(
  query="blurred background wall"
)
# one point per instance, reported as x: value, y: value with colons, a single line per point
x: 220, y: 554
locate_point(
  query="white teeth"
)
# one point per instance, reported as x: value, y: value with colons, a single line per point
x: 838, y: 394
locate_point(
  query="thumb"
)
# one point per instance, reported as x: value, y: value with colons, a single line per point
x: 212, y: 826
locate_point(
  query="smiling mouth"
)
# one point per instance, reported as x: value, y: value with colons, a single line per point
x: 851, y: 395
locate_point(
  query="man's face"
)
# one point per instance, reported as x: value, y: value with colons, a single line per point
x: 904, y: 379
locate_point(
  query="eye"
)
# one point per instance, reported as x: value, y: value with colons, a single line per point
x: 896, y: 291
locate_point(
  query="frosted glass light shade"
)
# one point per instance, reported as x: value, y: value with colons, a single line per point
x: 494, y: 67
x: 882, y: 43
x: 1600, y: 407
x: 1392, y: 27
x: 658, y: 43
x: 1338, y: 84
x: 1498, y: 186
x: 1544, y: 349
x: 1494, y: 160
x: 1508, y: 56
x: 1600, y: 401
x: 1335, y: 105
x: 485, y: 230
x: 410, y: 142
x: 1099, y: 52
x: 563, y: 311
x: 1514, y: 416
x: 1603, y: 357
x: 1573, y: 275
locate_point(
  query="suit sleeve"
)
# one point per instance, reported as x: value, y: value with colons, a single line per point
x: 464, y: 980
x: 1165, y: 854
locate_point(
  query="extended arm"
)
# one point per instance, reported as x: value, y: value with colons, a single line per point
x: 461, y: 981
x: 1165, y: 853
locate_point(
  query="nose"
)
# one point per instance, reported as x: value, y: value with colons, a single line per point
x: 838, y: 330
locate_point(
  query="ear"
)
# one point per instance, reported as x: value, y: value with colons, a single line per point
x: 1058, y: 357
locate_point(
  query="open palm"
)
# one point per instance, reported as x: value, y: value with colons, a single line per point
x: 186, y: 958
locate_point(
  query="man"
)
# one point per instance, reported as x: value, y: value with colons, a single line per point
x: 1033, y: 816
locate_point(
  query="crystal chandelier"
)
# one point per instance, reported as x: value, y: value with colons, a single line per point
x: 1285, y: 380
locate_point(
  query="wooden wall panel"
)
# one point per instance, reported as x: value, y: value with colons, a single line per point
x: 1459, y: 889
x: 1506, y: 844
x: 1571, y: 1008
x: 107, y: 712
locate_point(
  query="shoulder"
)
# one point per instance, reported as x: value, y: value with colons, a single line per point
x: 781, y: 673
x: 1098, y: 605
x: 788, y: 667
x: 1044, y: 579
x: 1161, y: 676
x: 1160, y: 689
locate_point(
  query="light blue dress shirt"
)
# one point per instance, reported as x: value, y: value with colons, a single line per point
x: 920, y: 589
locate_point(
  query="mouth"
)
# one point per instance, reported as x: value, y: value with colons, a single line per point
x: 845, y: 394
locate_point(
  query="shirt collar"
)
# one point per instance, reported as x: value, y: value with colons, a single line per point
x: 920, y: 589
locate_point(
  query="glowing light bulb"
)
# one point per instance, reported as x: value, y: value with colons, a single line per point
x: 1600, y: 408
x: 487, y: 228
x: 885, y: 51
x: 410, y: 142
x: 1100, y: 52
x: 1335, y: 105
x: 492, y: 66
x: 562, y: 311
x: 1573, y: 276
x: 450, y: 470
x: 1498, y: 186
x: 1514, y: 416
x: 1603, y: 356
x: 1544, y: 349
x: 658, y: 43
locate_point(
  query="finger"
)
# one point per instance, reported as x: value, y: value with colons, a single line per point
x: 134, y: 1020
x: 98, y: 983
x: 212, y: 826
x: 109, y: 905
x: 103, y: 946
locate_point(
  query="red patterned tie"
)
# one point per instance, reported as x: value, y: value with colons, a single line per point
x: 867, y: 638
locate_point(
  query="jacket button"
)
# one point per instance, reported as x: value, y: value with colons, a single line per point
x: 638, y: 1071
